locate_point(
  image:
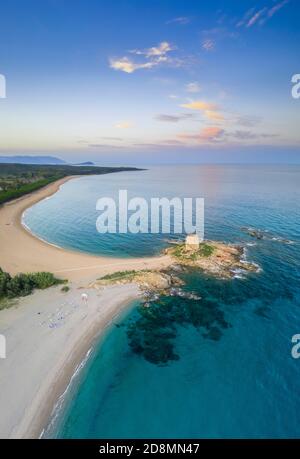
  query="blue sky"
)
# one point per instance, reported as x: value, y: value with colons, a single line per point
x: 137, y: 82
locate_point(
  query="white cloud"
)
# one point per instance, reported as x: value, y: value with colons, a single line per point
x: 208, y: 44
x: 253, y: 20
x: 193, y: 87
x: 126, y: 65
x: 124, y: 125
x: 182, y: 20
x: 161, y: 50
x: 155, y: 55
x: 174, y: 118
x: 277, y: 7
x: 260, y: 17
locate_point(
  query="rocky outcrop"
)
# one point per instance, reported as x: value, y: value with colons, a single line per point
x: 216, y: 258
x: 146, y: 280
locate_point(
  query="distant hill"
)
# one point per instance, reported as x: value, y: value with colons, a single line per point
x: 31, y: 160
x: 86, y: 163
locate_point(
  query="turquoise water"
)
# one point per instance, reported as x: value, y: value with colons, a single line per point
x: 235, y: 377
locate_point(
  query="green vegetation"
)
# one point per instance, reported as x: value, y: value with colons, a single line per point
x: 13, y: 193
x: 179, y: 250
x: 65, y: 289
x: 120, y: 275
x: 24, y: 284
x: 19, y: 179
x: 204, y: 250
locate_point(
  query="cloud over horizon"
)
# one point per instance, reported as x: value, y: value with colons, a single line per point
x: 209, y: 110
x: 124, y: 125
x: 174, y: 118
x: 207, y: 134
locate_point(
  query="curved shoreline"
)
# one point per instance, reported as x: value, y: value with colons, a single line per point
x: 73, y: 380
x: 22, y: 251
x: 48, y: 335
x: 33, y: 377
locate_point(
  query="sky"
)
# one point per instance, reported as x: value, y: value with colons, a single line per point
x: 151, y: 81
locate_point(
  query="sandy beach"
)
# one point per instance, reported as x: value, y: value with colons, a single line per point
x: 48, y: 334
x: 22, y: 252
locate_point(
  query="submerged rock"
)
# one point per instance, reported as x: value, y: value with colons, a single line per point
x: 265, y: 234
x: 258, y: 234
x: 152, y: 334
x: 183, y: 294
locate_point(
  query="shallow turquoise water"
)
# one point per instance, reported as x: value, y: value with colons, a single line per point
x: 239, y: 382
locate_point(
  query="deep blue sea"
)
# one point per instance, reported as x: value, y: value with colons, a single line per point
x: 234, y: 376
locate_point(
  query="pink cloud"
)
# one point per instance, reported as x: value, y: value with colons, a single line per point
x: 207, y: 134
x: 211, y: 133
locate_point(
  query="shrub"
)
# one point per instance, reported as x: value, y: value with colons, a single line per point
x: 118, y: 275
x: 4, y: 280
x: 206, y: 250
x: 20, y: 285
x: 65, y: 289
x: 44, y: 280
x: 24, y: 284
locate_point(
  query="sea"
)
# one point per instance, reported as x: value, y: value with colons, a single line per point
x: 214, y: 365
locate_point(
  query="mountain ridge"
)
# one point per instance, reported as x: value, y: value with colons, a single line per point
x: 24, y: 159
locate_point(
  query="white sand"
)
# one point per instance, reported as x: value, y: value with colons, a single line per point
x: 20, y: 251
x: 48, y: 334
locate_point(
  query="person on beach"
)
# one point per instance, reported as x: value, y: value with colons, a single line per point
x: 84, y: 297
